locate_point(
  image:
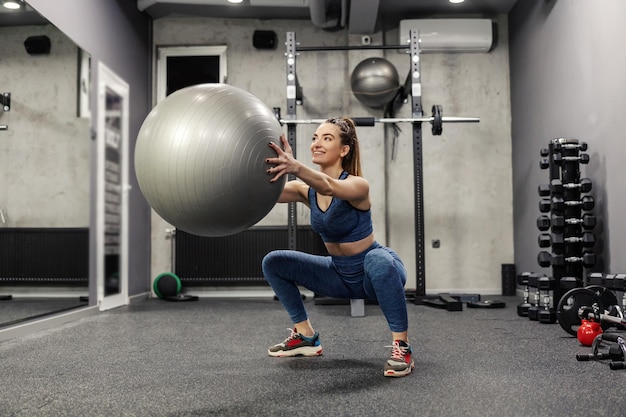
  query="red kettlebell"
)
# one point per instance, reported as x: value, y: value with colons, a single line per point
x: 587, y: 332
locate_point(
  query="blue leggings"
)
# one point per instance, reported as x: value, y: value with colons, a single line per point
x: 377, y: 274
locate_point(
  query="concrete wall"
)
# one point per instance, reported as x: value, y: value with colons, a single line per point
x: 467, y: 170
x: 567, y: 81
x: 44, y: 155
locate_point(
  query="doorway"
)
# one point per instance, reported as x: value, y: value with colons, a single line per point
x: 183, y: 66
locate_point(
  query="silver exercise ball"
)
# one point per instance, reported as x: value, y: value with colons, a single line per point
x: 375, y: 82
x: 200, y: 159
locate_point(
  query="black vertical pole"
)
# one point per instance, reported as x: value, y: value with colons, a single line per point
x: 558, y: 271
x: 416, y: 111
x: 292, y: 87
x: 570, y: 174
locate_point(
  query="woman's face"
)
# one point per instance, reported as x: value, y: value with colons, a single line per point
x: 326, y: 147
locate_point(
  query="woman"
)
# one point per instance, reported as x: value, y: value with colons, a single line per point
x: 358, y: 267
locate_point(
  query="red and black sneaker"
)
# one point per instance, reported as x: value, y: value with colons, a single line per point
x: 297, y: 345
x: 401, y: 362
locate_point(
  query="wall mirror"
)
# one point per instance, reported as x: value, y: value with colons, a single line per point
x: 45, y: 147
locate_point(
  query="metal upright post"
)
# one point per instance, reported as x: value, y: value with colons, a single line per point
x: 416, y: 111
x: 292, y: 88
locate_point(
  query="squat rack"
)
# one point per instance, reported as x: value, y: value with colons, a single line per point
x: 294, y: 96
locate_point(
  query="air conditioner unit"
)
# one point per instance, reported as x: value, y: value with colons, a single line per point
x: 450, y: 35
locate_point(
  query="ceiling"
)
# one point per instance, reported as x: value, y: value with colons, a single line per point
x: 25, y: 16
x: 359, y: 16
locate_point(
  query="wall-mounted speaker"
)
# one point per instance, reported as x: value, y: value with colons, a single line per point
x: 37, y: 45
x: 264, y: 39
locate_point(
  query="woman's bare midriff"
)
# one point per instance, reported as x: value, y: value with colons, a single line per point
x: 350, y: 248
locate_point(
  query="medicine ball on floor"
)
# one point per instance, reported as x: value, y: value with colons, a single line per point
x: 200, y: 159
x: 375, y: 82
x: 167, y: 286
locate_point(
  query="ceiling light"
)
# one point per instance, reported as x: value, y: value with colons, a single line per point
x: 235, y: 1
x: 12, y: 4
x: 456, y: 1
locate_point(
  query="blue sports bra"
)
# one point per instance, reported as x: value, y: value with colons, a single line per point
x: 341, y: 222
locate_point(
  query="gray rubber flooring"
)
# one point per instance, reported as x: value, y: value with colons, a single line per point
x: 208, y: 358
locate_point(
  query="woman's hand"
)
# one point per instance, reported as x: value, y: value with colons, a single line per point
x: 284, y: 163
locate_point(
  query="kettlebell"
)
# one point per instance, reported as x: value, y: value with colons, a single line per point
x: 587, y: 332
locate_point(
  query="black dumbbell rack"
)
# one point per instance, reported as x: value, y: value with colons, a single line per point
x: 565, y: 225
x: 566, y: 203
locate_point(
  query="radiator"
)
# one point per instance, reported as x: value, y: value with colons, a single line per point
x: 236, y: 259
x: 44, y: 257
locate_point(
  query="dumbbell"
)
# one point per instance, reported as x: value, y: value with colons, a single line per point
x: 546, y: 259
x: 556, y: 239
x: 619, y: 282
x: 613, y: 282
x: 533, y: 310
x: 543, y: 223
x: 583, y: 158
x: 522, y: 308
x: 556, y: 186
x: 557, y: 203
x: 557, y: 145
x: 596, y: 278
x: 547, y: 315
x: 587, y: 221
x: 557, y: 222
x: 544, y: 190
x: 567, y: 283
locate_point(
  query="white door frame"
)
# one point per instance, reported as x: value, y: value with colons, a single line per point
x: 109, y: 82
x: 165, y: 51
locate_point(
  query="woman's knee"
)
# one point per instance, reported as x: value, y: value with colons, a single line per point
x: 381, y: 264
x: 268, y: 260
x: 271, y: 262
x: 378, y: 262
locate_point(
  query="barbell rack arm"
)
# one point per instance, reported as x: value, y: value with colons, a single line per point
x: 5, y: 101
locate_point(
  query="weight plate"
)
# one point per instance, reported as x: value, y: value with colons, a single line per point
x: 486, y: 304
x: 606, y: 295
x: 182, y: 297
x: 570, y: 303
x: 608, y: 300
x: 437, y: 126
